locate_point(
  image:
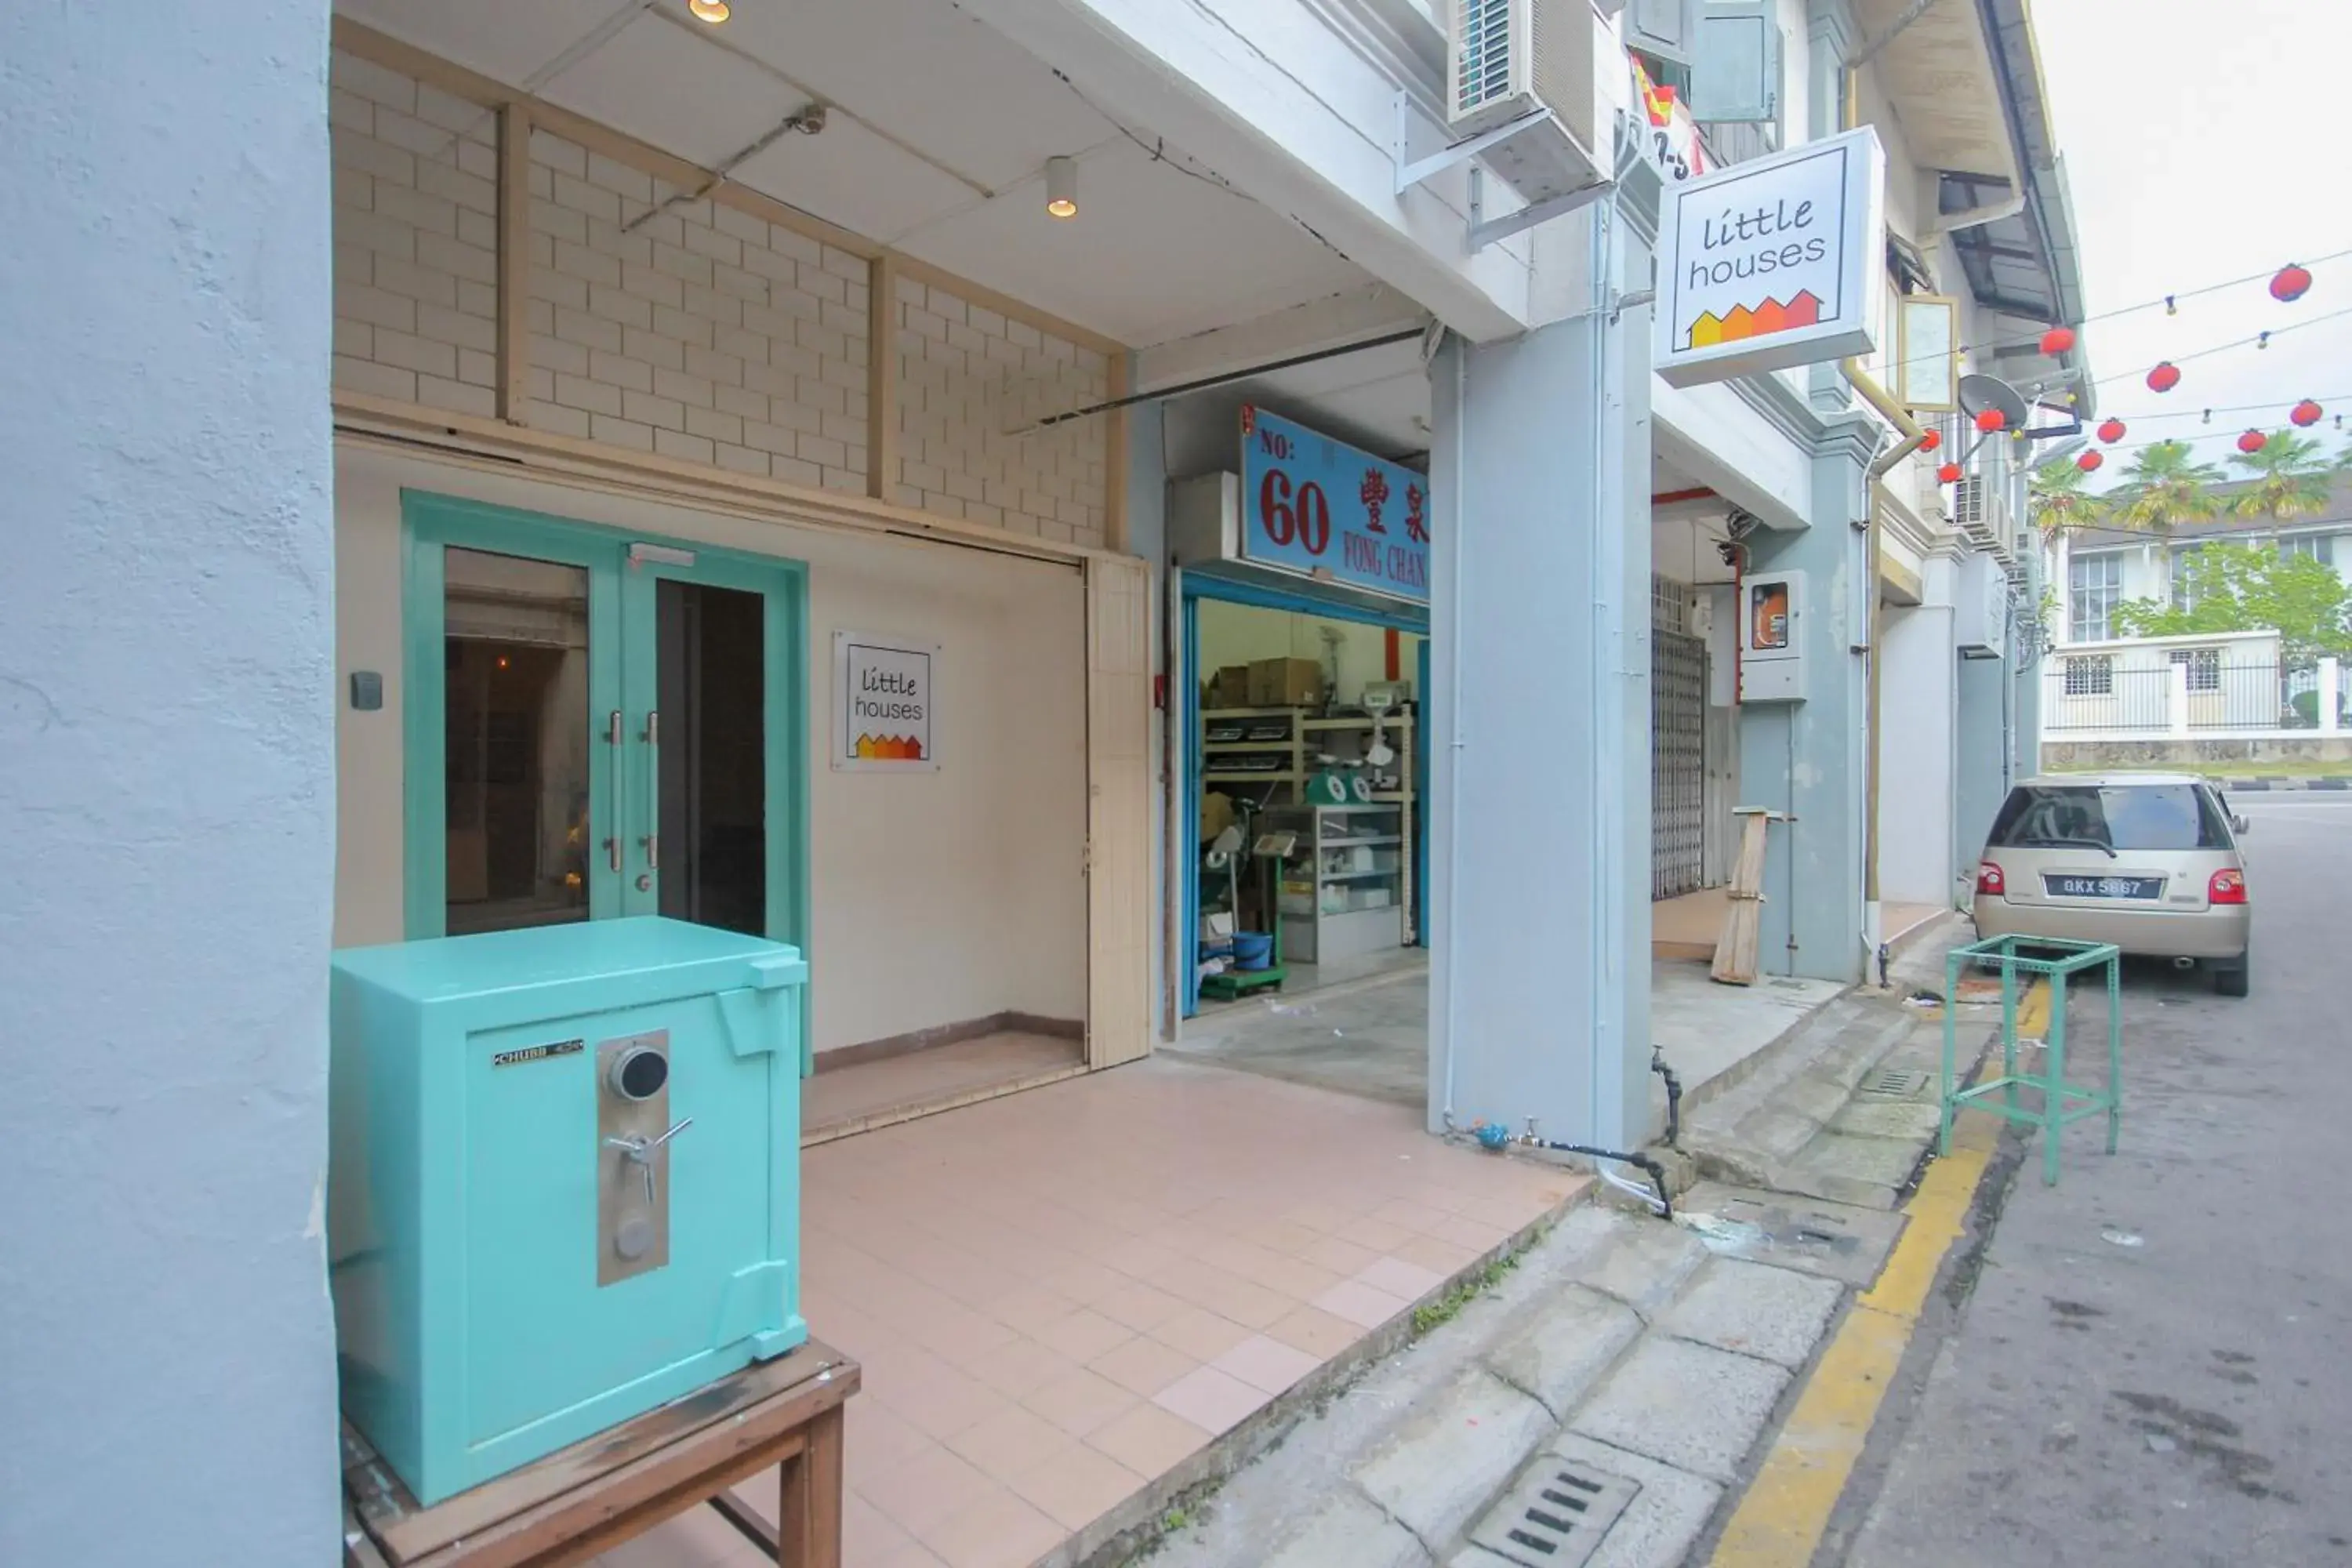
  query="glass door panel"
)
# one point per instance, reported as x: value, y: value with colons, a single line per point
x: 519, y: 741
x: 710, y: 782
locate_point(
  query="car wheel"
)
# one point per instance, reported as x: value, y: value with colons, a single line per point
x: 2231, y: 979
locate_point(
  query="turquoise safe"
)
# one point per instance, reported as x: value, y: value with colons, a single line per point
x: 564, y: 1182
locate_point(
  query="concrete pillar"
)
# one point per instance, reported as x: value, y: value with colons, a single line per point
x: 2177, y: 698
x: 167, y: 713
x: 1982, y: 755
x: 1807, y: 757
x: 2331, y: 688
x: 1539, y: 811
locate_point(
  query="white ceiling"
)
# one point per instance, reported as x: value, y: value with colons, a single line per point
x: 938, y: 133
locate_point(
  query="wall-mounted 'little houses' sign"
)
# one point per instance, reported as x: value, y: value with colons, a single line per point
x: 1773, y: 263
x: 883, y: 712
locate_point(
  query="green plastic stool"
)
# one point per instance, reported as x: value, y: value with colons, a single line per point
x: 2062, y: 1103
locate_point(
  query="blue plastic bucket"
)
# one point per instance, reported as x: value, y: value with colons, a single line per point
x: 1252, y: 951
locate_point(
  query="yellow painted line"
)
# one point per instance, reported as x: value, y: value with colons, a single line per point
x: 1780, y: 1521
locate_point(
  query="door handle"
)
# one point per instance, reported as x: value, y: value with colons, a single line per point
x: 613, y: 841
x: 651, y: 841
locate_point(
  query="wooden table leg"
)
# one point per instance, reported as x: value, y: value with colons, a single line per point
x: 808, y: 1515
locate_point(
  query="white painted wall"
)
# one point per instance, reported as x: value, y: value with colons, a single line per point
x: 934, y: 898
x: 165, y: 668
x: 1919, y: 704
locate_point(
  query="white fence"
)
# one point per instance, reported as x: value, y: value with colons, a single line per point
x: 2235, y: 686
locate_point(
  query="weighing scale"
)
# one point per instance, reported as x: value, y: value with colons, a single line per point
x: 1270, y: 850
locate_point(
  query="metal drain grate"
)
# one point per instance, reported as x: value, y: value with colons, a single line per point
x: 1556, y: 1514
x: 1894, y: 1083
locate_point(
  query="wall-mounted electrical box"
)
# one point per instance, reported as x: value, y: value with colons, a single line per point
x: 564, y: 1182
x: 1981, y: 606
x: 1771, y: 638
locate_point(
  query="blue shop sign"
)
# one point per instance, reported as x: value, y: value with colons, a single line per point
x: 1313, y: 505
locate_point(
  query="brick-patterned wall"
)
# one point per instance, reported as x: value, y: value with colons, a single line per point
x: 703, y: 334
x: 967, y: 377
x: 416, y: 235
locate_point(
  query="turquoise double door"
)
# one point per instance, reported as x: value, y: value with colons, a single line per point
x: 598, y: 724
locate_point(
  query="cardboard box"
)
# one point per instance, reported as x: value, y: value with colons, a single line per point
x: 1286, y: 683
x: 1229, y: 686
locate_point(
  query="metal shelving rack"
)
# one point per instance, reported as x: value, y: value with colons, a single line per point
x: 1292, y: 736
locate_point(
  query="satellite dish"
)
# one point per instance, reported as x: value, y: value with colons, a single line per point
x: 1979, y: 393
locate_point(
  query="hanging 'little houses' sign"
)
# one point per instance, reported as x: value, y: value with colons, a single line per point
x: 1328, y: 511
x: 1773, y: 263
x: 883, y: 711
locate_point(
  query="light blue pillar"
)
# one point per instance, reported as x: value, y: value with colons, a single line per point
x: 167, y: 685
x: 1982, y: 757
x: 1540, y: 812
x: 1808, y: 760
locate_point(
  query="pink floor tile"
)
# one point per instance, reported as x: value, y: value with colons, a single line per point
x: 1059, y: 1296
x: 1000, y: 1530
x: 1143, y: 1366
x: 1080, y: 1402
x: 1360, y: 1303
x: 1266, y: 1365
x: 1078, y: 1487
x: 1012, y: 1442
x: 1210, y: 1399
x: 924, y: 1489
x: 1399, y: 1278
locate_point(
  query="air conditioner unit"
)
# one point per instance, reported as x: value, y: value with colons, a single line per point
x: 1513, y: 59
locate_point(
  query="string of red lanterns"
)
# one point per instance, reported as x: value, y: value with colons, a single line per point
x: 2288, y: 284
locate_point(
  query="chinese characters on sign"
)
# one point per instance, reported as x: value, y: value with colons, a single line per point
x: 1313, y: 505
x: 882, y: 704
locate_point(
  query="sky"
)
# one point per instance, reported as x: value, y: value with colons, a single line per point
x: 2202, y: 144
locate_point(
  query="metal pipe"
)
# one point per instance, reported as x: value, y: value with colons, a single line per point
x: 1223, y: 378
x: 1895, y: 414
x: 1674, y: 1097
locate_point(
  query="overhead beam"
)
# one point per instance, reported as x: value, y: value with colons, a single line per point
x: 1264, y: 93
x: 1334, y: 321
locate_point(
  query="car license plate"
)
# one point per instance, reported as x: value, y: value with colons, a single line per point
x: 2102, y: 886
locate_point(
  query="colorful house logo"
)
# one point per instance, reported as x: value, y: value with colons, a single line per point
x: 1773, y: 316
x: 888, y: 748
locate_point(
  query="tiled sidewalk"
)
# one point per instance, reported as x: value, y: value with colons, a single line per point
x: 1062, y: 1295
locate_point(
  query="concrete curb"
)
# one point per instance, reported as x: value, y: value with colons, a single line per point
x: 2286, y: 785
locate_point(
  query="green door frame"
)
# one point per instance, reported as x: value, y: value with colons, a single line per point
x: 620, y: 678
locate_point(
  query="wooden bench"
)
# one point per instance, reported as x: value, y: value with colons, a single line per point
x: 591, y: 1496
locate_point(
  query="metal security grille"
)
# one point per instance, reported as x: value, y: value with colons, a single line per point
x: 1677, y: 765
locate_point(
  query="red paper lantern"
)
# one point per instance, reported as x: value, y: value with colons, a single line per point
x: 2164, y: 377
x: 2306, y: 412
x: 2290, y: 283
x: 2089, y: 461
x: 1932, y: 439
x: 1992, y: 420
x: 2057, y: 340
x: 2253, y: 441
x: 2112, y: 431
x: 1949, y: 474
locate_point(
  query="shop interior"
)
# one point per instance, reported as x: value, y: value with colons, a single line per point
x: 1309, y: 778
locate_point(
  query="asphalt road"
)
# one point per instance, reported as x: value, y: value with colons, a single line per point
x: 2151, y: 1363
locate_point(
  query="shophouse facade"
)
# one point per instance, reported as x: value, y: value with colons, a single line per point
x: 1799, y: 473
x: 708, y: 474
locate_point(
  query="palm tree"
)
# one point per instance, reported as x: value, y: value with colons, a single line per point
x: 2060, y: 499
x: 2290, y: 479
x: 2166, y: 486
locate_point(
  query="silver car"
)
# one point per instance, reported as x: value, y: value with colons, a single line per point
x: 2147, y: 861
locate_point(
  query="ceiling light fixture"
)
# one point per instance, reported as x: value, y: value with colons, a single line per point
x: 711, y: 11
x: 1062, y: 186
